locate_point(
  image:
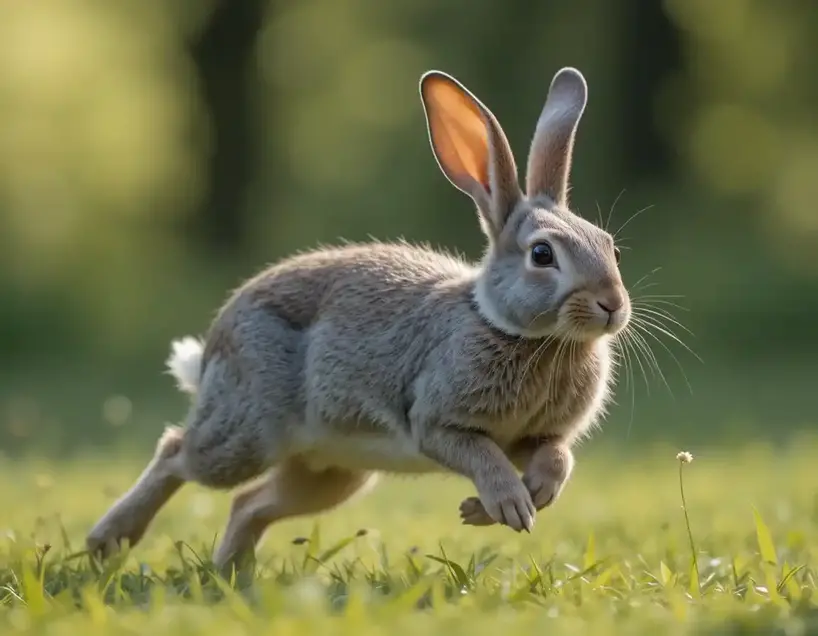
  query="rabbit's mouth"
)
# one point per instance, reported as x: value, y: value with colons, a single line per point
x: 587, y: 316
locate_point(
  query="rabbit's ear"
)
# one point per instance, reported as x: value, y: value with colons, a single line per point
x: 471, y: 148
x: 549, y: 160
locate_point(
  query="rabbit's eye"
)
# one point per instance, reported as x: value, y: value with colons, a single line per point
x: 542, y: 255
x: 617, y: 255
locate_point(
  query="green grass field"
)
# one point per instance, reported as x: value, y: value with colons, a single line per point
x: 613, y: 555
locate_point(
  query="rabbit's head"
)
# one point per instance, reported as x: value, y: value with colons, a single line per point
x: 547, y: 271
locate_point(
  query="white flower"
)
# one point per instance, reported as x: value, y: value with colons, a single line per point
x: 684, y: 457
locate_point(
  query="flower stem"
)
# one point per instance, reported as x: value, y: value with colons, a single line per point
x: 689, y: 531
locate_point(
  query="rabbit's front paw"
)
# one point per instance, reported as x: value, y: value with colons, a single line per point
x: 544, y: 488
x: 508, y: 502
x: 472, y: 513
x: 547, y: 473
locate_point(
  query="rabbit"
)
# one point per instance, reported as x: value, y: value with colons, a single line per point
x: 336, y: 365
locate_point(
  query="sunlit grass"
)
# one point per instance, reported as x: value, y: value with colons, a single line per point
x: 617, y: 553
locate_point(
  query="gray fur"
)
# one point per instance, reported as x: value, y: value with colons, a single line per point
x: 336, y: 364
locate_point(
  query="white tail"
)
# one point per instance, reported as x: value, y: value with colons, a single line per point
x: 185, y: 363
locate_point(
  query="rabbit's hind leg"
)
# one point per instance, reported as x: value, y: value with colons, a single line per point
x: 130, y: 516
x: 289, y: 490
x: 228, y: 440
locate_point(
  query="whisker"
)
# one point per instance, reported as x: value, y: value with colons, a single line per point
x: 645, y: 321
x: 538, y: 352
x: 659, y: 315
x: 641, y: 302
x: 644, y: 286
x: 646, y: 331
x: 572, y: 351
x: 629, y: 369
x: 652, y: 360
x: 629, y: 334
x: 565, y: 350
x: 520, y: 341
x: 624, y: 352
x: 659, y: 296
x: 632, y: 217
x: 610, y: 212
x: 633, y: 392
x: 636, y: 287
x: 552, y: 368
x: 642, y: 347
x: 552, y: 380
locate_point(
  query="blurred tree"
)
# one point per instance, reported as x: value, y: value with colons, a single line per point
x: 652, y: 45
x: 225, y: 56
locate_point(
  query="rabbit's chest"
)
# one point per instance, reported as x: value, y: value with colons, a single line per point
x: 541, y: 418
x: 554, y: 398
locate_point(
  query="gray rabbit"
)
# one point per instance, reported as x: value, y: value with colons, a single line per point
x: 335, y: 365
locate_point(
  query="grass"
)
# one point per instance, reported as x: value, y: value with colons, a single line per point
x: 618, y: 553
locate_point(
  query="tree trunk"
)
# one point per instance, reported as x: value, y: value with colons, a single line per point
x: 223, y: 55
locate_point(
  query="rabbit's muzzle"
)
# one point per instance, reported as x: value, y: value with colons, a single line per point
x: 590, y: 314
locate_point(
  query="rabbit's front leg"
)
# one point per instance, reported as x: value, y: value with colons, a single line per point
x: 545, y: 473
x: 502, y: 495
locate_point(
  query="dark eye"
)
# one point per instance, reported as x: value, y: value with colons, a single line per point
x: 542, y: 255
x: 617, y: 255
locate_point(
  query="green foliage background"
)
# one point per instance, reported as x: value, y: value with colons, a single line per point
x: 154, y: 154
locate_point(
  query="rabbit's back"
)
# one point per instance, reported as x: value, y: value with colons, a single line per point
x: 372, y: 278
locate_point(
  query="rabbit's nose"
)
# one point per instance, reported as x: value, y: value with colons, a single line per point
x: 611, y: 302
x: 605, y: 307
